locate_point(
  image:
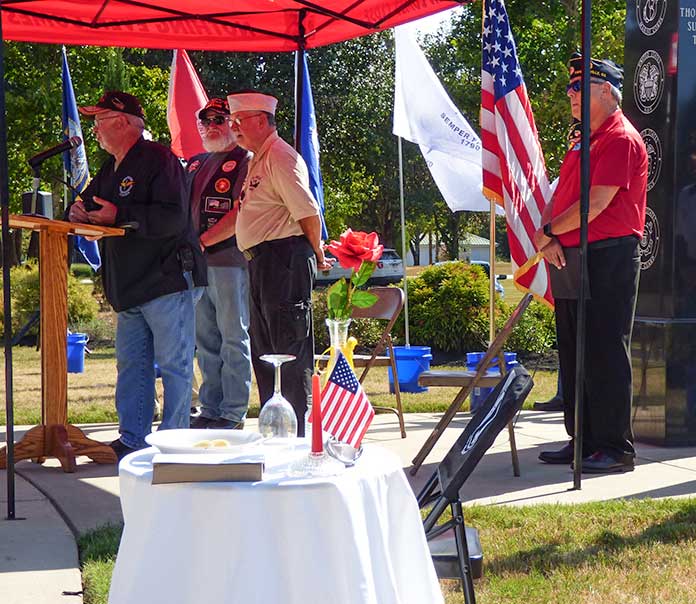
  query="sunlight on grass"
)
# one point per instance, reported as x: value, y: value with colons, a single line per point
x: 615, y: 552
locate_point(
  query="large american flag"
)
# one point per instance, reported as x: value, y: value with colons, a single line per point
x: 514, y: 173
x: 346, y: 413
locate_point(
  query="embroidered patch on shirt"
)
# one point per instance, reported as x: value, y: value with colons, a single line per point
x: 220, y: 205
x: 222, y: 185
x: 126, y: 186
x: 254, y: 182
x: 228, y: 166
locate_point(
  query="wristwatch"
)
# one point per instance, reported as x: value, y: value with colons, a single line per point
x: 547, y: 230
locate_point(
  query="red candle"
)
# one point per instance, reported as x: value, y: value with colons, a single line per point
x: 317, y: 444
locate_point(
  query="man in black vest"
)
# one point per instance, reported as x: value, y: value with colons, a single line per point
x: 223, y: 351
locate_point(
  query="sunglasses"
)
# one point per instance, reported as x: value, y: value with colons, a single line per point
x: 576, y: 86
x: 218, y: 120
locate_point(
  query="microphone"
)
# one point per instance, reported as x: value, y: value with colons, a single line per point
x: 71, y: 143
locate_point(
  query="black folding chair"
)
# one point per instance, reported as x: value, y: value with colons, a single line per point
x: 460, y: 555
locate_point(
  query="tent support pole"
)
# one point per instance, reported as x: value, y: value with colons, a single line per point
x: 6, y: 255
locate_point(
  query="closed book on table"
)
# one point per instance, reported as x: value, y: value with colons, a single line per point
x: 212, y: 467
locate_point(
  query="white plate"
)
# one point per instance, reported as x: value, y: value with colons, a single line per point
x: 182, y: 441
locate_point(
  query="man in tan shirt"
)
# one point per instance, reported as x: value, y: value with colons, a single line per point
x: 278, y: 229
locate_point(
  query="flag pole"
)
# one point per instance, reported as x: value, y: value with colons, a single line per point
x: 491, y: 280
x: 403, y: 239
x: 5, y: 212
x: 584, y: 212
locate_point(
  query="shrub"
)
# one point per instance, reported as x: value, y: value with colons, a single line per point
x: 25, y: 297
x: 535, y: 332
x: 366, y: 331
x: 448, y: 308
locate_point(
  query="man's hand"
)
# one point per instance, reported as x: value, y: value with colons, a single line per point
x: 553, y: 253
x: 78, y: 213
x: 105, y: 216
x: 324, y: 263
x: 541, y: 240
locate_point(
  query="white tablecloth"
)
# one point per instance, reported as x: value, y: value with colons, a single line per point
x: 350, y: 539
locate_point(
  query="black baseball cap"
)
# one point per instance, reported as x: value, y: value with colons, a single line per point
x: 217, y: 105
x: 113, y: 100
x: 602, y: 69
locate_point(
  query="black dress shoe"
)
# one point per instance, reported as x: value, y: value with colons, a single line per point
x: 121, y: 449
x: 225, y: 424
x: 602, y: 463
x: 562, y: 456
x: 201, y: 422
x: 555, y: 404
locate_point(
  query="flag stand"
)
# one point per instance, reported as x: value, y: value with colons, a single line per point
x: 491, y: 280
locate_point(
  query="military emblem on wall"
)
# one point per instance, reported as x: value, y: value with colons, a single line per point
x: 649, y: 81
x: 650, y: 244
x: 654, y: 148
x: 650, y: 15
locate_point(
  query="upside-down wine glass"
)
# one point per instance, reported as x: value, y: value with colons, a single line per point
x: 277, y: 418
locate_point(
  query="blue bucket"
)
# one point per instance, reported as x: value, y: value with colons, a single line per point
x: 411, y: 361
x: 479, y: 395
x: 76, y: 352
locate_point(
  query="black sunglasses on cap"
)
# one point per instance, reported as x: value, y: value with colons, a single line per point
x: 218, y: 120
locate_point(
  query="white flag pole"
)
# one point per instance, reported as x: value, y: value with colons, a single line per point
x: 491, y: 280
x: 403, y: 239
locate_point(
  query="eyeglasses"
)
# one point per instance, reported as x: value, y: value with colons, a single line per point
x: 218, y: 120
x: 237, y: 121
x: 98, y: 121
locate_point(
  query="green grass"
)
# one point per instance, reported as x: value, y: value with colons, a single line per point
x: 614, y: 552
x: 91, y: 394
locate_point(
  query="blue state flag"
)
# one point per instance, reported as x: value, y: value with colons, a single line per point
x: 309, y: 144
x: 75, y: 160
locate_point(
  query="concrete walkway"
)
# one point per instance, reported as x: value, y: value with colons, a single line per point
x: 38, y: 555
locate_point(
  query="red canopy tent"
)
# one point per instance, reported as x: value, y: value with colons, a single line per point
x: 227, y: 25
x: 239, y: 25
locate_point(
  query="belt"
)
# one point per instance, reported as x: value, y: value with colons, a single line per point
x: 256, y: 250
x: 613, y: 242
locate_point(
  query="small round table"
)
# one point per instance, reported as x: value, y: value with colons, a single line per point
x: 353, y: 538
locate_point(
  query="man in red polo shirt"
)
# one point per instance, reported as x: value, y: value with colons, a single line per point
x: 618, y: 183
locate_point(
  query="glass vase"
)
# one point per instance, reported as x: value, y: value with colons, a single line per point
x: 339, y: 340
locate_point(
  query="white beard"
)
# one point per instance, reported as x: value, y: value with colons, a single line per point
x: 218, y: 145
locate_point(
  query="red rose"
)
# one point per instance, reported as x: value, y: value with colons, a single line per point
x: 355, y: 248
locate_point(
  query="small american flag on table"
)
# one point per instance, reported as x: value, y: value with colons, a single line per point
x: 346, y: 413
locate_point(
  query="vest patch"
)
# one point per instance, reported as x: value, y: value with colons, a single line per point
x: 222, y: 185
x: 228, y: 166
x: 218, y: 205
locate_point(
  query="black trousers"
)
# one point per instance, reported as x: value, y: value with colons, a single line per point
x: 281, y: 279
x: 613, y: 275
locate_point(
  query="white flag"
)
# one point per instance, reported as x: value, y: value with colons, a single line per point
x: 424, y: 114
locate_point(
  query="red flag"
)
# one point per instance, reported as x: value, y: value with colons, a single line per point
x: 346, y: 413
x: 514, y: 173
x: 186, y: 97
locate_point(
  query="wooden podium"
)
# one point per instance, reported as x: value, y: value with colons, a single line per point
x: 54, y: 437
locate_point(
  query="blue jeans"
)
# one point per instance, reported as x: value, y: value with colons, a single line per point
x: 222, y: 344
x: 160, y: 331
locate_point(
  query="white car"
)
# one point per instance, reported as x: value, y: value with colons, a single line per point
x: 390, y: 269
